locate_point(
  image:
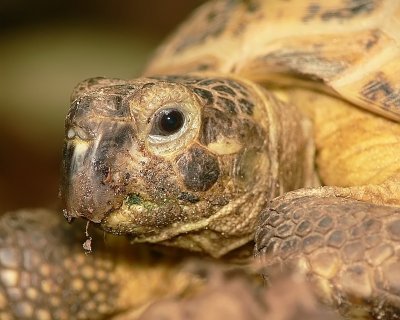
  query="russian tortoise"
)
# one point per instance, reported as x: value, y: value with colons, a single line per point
x: 268, y: 121
x: 246, y: 102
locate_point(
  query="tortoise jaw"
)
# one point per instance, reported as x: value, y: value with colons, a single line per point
x: 81, y: 195
x: 96, y: 171
x: 141, y: 216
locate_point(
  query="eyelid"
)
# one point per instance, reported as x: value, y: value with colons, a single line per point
x: 164, y: 145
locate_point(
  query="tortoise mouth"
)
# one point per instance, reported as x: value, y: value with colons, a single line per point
x: 144, y: 219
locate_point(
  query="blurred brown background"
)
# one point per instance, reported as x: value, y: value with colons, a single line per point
x: 46, y: 47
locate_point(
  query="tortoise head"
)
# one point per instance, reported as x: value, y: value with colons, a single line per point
x: 169, y: 159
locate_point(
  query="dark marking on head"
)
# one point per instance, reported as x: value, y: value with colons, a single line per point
x: 103, y: 171
x: 199, y: 169
x: 227, y: 94
x: 235, y: 85
x: 123, y: 136
x: 208, y: 82
x: 114, y: 106
x: 120, y: 89
x: 217, y: 122
x: 84, y: 110
x: 79, y: 109
x: 224, y: 89
x: 95, y: 80
x: 86, y: 86
x: 209, y: 130
x: 108, y: 85
x: 117, y: 101
x: 148, y: 85
x: 204, y: 94
x: 228, y: 105
x: 246, y: 106
x: 188, y: 197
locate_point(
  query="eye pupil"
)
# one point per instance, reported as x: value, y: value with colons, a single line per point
x: 171, y: 121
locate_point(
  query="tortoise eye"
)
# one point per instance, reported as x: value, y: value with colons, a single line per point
x: 167, y: 122
x: 173, y: 126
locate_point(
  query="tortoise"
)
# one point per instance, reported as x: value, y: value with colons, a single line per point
x: 270, y: 126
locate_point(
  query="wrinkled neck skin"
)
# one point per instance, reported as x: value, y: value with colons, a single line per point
x: 200, y: 188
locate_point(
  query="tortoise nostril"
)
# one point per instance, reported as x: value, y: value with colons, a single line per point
x: 71, y: 133
x: 79, y: 133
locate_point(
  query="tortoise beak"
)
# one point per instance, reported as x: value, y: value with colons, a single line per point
x: 92, y: 171
x: 90, y: 186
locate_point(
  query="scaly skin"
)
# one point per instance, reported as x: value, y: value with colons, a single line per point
x: 350, y: 250
x: 45, y: 273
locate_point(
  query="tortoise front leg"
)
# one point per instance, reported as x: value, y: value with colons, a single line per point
x: 349, y: 249
x: 45, y: 273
